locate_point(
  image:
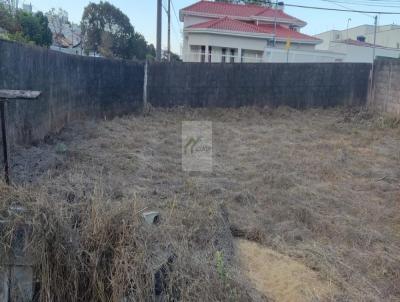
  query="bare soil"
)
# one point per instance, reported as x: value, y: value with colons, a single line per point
x: 279, y: 276
x: 318, y: 187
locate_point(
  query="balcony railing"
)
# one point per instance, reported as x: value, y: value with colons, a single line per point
x: 220, y: 58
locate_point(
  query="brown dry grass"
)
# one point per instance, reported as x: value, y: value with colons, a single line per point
x: 320, y: 186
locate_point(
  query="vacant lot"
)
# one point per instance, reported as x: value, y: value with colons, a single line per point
x: 313, y: 195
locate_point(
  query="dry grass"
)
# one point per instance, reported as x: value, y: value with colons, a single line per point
x: 320, y: 186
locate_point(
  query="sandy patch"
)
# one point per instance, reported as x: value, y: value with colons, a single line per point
x: 280, y: 277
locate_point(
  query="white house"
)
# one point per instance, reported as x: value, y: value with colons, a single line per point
x: 357, y: 42
x: 386, y: 35
x: 225, y: 32
x: 357, y: 51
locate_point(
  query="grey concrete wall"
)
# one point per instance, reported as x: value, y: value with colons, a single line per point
x: 385, y: 95
x: 300, y: 85
x: 73, y: 87
x: 76, y: 87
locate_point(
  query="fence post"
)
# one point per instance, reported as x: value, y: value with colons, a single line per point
x: 146, y: 66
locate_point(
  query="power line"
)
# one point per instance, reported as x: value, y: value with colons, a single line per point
x: 334, y: 2
x: 176, y: 15
x: 343, y: 10
x: 363, y: 3
x: 172, y: 25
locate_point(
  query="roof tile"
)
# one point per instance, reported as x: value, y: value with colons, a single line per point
x: 238, y: 10
x: 228, y: 24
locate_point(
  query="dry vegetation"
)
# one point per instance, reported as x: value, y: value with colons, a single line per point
x: 320, y: 187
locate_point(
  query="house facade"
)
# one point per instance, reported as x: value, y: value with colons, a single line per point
x: 386, y: 35
x: 357, y: 43
x: 232, y: 33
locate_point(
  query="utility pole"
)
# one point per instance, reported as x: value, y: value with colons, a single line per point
x: 347, y: 30
x: 276, y: 7
x: 375, y: 29
x: 373, y: 58
x: 169, y: 30
x: 159, y: 16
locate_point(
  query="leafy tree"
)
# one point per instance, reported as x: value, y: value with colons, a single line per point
x: 174, y: 57
x: 151, y: 51
x: 108, y: 31
x: 25, y: 27
x: 7, y: 21
x: 35, y: 27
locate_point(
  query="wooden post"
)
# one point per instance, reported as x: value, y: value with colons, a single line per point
x: 5, y: 96
x: 4, y: 139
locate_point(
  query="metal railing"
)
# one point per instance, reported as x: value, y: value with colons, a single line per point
x: 201, y: 57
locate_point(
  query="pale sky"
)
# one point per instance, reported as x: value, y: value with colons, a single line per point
x: 143, y: 15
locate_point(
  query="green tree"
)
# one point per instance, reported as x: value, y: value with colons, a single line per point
x: 108, y: 31
x: 35, y: 27
x: 174, y: 57
x: 7, y: 21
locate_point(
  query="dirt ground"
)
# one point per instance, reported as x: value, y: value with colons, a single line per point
x: 312, y: 197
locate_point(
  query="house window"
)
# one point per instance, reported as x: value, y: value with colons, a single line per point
x: 203, y: 54
x: 232, y: 60
x: 242, y: 56
x: 209, y: 54
x: 223, y: 58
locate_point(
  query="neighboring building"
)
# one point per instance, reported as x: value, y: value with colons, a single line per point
x: 362, y: 52
x: 357, y: 43
x: 66, y: 35
x: 386, y: 35
x: 225, y: 32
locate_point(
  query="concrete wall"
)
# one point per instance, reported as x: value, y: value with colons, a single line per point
x: 275, y: 55
x: 363, y: 54
x: 386, y: 86
x: 233, y: 85
x: 76, y: 87
x: 73, y: 87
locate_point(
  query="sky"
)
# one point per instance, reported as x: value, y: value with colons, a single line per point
x: 143, y: 15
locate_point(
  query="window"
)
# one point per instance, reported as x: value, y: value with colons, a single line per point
x: 223, y: 58
x: 232, y: 60
x: 203, y: 54
x: 209, y: 54
x: 398, y: 45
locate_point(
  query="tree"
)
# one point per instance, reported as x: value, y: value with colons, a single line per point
x: 35, y: 27
x: 108, y: 31
x: 7, y: 20
x: 106, y: 27
x: 140, y: 46
x: 174, y: 57
x: 25, y: 27
x: 151, y: 51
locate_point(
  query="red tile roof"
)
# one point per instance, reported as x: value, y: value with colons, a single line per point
x: 283, y: 32
x: 227, y: 24
x: 249, y: 11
